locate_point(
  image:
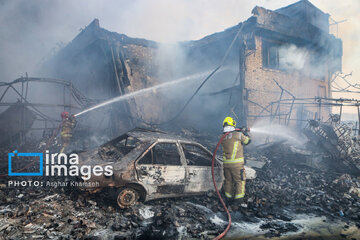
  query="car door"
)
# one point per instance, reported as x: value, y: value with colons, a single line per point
x: 161, y: 169
x: 198, y: 164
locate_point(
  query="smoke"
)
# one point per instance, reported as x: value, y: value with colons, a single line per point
x: 33, y: 31
x: 170, y: 60
x: 292, y: 57
x: 309, y: 62
x: 28, y: 34
x: 349, y: 32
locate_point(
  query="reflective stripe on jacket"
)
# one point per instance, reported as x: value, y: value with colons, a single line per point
x: 232, y: 148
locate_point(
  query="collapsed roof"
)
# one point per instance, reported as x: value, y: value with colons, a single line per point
x: 104, y: 64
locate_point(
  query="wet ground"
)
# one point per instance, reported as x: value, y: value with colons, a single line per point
x: 60, y: 215
x: 300, y: 227
x: 284, y: 202
x: 281, y: 203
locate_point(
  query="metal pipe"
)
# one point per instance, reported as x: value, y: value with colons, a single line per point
x: 358, y: 119
x: 341, y: 111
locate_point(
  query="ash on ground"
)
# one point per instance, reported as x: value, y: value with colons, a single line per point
x: 275, y: 205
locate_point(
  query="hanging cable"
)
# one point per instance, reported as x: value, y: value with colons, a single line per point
x: 217, y: 190
x: 211, y: 74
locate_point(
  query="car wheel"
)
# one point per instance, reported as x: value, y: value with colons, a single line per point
x: 127, y: 197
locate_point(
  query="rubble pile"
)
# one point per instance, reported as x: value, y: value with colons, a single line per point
x: 304, y: 190
x: 282, y: 189
x: 58, y: 214
x: 334, y: 143
x: 279, y: 191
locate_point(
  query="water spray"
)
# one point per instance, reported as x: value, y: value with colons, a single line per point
x: 146, y: 90
x: 276, y: 130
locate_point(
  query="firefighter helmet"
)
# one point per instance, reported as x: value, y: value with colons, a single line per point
x: 64, y: 115
x: 229, y: 121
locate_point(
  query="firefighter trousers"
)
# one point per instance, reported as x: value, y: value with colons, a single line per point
x: 65, y: 143
x: 234, y: 185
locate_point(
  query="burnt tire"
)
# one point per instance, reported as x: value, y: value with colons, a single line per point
x: 127, y: 197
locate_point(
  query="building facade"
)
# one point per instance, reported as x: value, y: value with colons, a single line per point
x: 278, y: 68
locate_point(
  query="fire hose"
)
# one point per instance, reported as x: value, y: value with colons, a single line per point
x: 216, y: 188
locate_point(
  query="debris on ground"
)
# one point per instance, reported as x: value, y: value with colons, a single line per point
x: 333, y: 145
x: 279, y: 192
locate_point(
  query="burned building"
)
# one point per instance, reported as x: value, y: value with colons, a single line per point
x: 283, y: 56
x: 272, y: 60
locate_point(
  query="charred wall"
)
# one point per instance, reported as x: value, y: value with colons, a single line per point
x: 15, y: 122
x: 104, y: 65
x: 296, y: 52
x: 263, y: 90
x: 260, y: 80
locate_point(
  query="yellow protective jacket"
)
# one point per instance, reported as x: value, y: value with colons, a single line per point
x: 67, y: 127
x: 233, y: 152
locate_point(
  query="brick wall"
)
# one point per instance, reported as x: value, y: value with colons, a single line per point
x: 262, y: 89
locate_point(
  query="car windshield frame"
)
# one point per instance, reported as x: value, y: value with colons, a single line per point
x: 160, y: 141
x: 118, y: 152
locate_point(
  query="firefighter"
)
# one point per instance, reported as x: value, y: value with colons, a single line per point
x: 67, y: 125
x: 233, y: 157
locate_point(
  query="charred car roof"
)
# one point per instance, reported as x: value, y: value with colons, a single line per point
x: 145, y: 135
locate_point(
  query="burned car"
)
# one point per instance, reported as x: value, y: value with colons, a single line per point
x: 150, y: 165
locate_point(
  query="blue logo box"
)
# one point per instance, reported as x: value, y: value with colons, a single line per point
x: 13, y: 154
